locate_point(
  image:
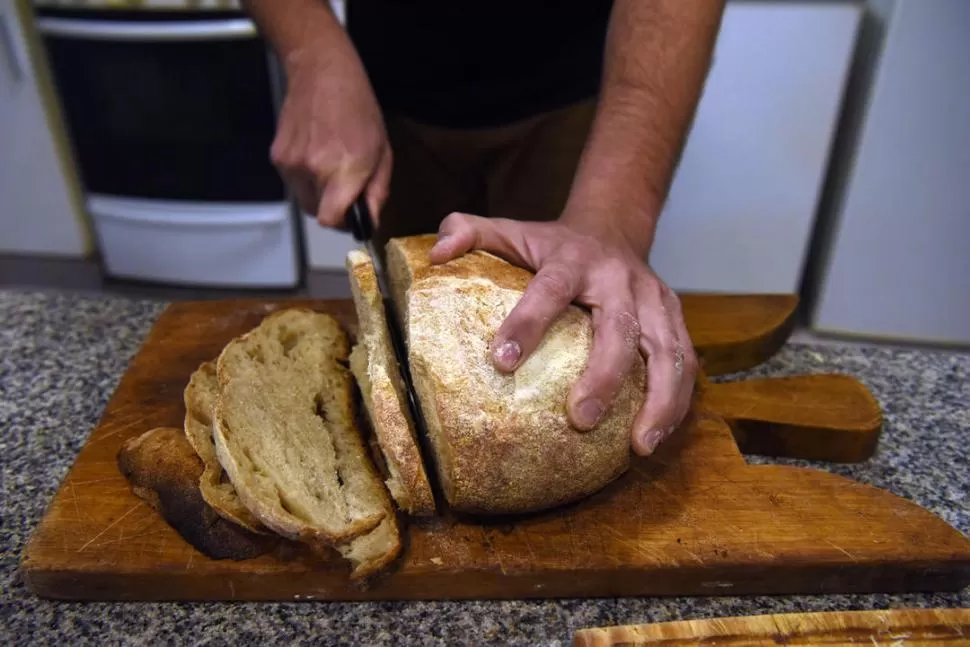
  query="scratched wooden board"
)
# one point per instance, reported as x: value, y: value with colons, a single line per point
x: 694, y: 519
x: 888, y: 627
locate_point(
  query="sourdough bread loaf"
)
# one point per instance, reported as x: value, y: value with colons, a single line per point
x: 383, y: 392
x: 285, y: 433
x: 502, y: 443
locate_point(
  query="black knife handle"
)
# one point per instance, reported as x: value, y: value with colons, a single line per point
x: 360, y: 223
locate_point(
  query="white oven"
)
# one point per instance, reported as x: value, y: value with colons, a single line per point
x: 171, y: 115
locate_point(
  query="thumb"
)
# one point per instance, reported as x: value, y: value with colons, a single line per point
x: 461, y: 233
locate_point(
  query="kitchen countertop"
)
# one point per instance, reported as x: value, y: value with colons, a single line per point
x: 61, y: 356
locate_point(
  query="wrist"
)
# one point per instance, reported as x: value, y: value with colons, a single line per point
x: 615, y: 224
x: 314, y: 54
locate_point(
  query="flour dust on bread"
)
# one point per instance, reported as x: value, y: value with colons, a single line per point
x: 216, y: 489
x: 503, y: 443
x: 383, y: 391
x: 285, y: 434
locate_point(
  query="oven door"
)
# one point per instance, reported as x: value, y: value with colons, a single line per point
x: 168, y: 106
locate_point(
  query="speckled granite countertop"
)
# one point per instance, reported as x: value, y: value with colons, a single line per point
x: 61, y: 357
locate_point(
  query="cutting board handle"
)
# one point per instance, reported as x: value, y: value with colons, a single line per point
x: 736, y: 332
x: 813, y: 417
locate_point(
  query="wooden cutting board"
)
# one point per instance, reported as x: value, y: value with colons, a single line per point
x: 890, y: 627
x: 694, y: 519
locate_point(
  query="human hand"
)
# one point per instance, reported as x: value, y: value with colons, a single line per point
x: 633, y: 311
x: 331, y: 145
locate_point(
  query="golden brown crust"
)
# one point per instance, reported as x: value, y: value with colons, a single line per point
x: 163, y: 470
x: 503, y: 443
x: 200, y: 400
x: 383, y: 392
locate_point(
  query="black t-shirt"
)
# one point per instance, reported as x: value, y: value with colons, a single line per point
x: 476, y: 64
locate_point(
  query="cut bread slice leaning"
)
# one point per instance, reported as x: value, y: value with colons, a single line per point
x: 285, y: 434
x: 383, y: 391
x: 502, y: 442
x: 216, y: 489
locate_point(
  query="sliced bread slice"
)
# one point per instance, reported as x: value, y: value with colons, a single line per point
x: 217, y: 491
x: 373, y: 363
x: 502, y: 443
x: 285, y: 434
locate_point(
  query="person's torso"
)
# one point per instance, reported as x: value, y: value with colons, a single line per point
x: 474, y: 64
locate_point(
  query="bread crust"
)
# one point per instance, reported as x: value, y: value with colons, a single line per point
x: 163, y: 470
x: 383, y: 392
x: 503, y: 443
x: 200, y: 399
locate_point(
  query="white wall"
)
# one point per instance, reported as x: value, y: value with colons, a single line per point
x: 899, y: 262
x: 742, y: 206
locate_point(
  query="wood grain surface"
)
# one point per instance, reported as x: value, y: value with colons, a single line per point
x: 817, y: 417
x: 694, y: 519
x: 735, y: 332
x: 890, y: 627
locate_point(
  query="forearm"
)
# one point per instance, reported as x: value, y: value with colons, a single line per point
x: 297, y: 27
x: 657, y: 57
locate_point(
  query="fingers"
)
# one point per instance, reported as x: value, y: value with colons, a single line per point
x: 379, y: 185
x: 666, y: 357
x: 460, y: 233
x: 685, y: 358
x: 615, y: 345
x: 548, y: 294
x: 339, y: 191
x: 326, y: 178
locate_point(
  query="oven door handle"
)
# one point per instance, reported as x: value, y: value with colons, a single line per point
x: 214, y: 221
x: 112, y: 30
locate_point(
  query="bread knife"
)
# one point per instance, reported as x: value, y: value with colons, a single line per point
x: 362, y: 227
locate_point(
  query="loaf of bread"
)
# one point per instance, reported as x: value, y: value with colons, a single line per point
x: 378, y: 375
x: 200, y: 400
x: 285, y: 433
x: 502, y: 443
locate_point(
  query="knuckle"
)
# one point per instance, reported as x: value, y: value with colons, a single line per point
x: 572, y: 253
x: 615, y: 267
x: 691, y: 362
x: 277, y: 154
x: 283, y: 158
x: 673, y: 301
x: 318, y: 162
x: 362, y: 163
x: 453, y: 222
x: 654, y: 290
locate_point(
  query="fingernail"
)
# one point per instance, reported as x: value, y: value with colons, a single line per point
x: 651, y: 439
x: 508, y: 354
x: 589, y: 412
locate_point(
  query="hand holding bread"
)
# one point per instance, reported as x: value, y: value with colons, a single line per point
x: 634, y: 315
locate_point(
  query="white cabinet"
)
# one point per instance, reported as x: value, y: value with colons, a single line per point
x: 898, y: 264
x: 742, y: 206
x: 39, y: 194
